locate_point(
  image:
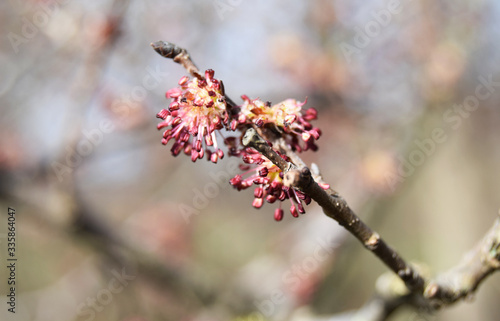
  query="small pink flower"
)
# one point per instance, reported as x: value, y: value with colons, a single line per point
x: 268, y: 179
x: 286, y: 117
x: 198, y: 109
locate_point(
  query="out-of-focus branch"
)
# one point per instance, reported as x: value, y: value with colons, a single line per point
x: 462, y: 280
x: 90, y: 230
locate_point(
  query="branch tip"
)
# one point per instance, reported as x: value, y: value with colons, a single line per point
x: 179, y: 55
x: 167, y: 49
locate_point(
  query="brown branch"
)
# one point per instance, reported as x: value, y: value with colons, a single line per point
x: 447, y: 288
x: 252, y: 139
x: 335, y: 207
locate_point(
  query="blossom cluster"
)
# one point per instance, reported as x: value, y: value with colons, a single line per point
x: 199, y: 111
x: 269, y: 181
x: 286, y: 117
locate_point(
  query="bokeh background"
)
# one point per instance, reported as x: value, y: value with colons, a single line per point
x: 112, y: 227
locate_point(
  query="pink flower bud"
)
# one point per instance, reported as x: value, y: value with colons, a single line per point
x: 183, y: 80
x: 278, y: 214
x: 257, y: 203
x: 173, y: 106
x: 214, y: 157
x: 209, y: 74
x: 263, y: 172
x: 162, y: 114
x: 271, y: 198
x: 174, y: 93
x: 258, y: 192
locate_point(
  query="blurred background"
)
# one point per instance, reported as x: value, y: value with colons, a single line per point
x: 112, y: 227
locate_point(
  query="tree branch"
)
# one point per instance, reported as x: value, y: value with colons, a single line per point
x: 335, y: 207
x: 445, y: 289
